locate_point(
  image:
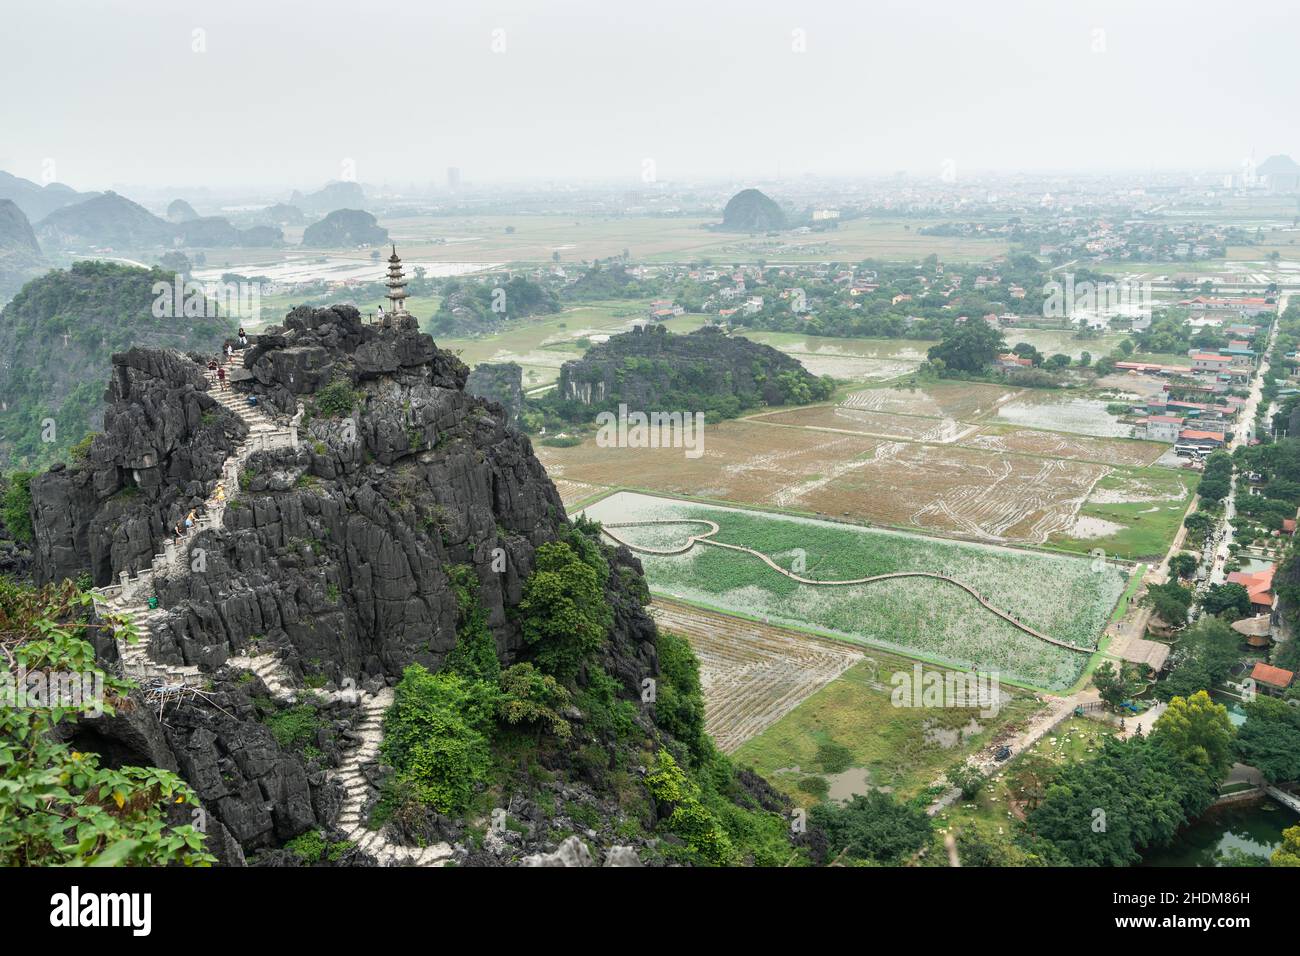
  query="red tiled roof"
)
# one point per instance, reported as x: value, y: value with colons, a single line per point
x: 1278, y: 677
x: 1194, y: 434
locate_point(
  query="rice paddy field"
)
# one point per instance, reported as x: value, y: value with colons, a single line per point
x: 898, y: 749
x: 1065, y: 597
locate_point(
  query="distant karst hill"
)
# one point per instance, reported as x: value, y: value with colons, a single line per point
x: 37, y: 201
x: 180, y: 211
x: 106, y: 220
x: 57, y: 338
x: 283, y: 214
x: 752, y: 211
x: 115, y: 221
x: 345, y: 227
x: 20, y: 254
x: 501, y: 382
x: 335, y: 195
x: 652, y: 369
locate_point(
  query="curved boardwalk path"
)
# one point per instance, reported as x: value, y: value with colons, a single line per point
x: 707, y: 538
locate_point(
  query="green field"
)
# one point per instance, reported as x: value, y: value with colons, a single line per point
x: 1062, y: 596
x: 903, y: 749
x: 1146, y: 527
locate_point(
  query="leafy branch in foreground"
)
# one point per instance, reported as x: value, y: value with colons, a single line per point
x: 58, y: 806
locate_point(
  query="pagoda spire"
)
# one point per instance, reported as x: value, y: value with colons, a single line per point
x: 396, y: 283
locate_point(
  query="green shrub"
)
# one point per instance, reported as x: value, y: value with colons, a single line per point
x: 16, y: 504
x: 564, y: 613
x: 336, y: 399
x: 294, y: 727
x: 435, y: 735
x: 833, y: 758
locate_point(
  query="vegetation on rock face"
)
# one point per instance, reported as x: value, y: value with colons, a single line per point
x: 653, y: 370
x: 470, y: 308
x: 59, y: 806
x: 875, y: 827
x: 58, y: 336
x: 564, y: 614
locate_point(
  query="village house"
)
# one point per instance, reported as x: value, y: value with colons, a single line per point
x: 1271, y: 680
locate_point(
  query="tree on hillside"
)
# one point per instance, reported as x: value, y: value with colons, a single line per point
x: 564, y: 613
x: 969, y: 347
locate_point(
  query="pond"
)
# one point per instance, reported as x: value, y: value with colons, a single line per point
x: 1252, y: 830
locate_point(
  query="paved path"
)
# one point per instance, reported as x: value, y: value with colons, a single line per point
x: 707, y: 538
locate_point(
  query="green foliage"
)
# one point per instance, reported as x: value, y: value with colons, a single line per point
x: 312, y: 847
x: 833, y: 758
x: 564, y: 613
x: 475, y: 655
x: 435, y: 736
x: 968, y: 347
x: 966, y: 778
x: 1270, y: 739
x: 1135, y: 794
x: 1171, y: 601
x: 1200, y: 733
x: 530, y: 697
x: 58, y: 806
x: 607, y: 715
x: 1116, y: 685
x: 671, y: 786
x: 294, y: 727
x: 679, y: 698
x: 1288, y: 853
x: 337, y: 399
x: 16, y: 504
x: 873, y: 827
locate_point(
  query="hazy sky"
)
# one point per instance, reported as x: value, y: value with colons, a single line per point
x: 285, y: 93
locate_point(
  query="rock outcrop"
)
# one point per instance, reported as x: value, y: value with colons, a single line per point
x: 652, y: 369
x: 752, y: 211
x: 344, y: 228
x: 333, y: 558
x: 502, y: 383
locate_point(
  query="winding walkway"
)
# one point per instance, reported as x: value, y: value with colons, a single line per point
x: 707, y: 538
x: 131, y: 595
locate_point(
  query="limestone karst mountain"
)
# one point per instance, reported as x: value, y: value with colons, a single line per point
x: 752, y: 211
x: 344, y: 228
x: 57, y: 336
x: 366, y: 515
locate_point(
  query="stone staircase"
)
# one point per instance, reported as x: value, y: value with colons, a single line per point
x: 351, y: 819
x: 130, y: 596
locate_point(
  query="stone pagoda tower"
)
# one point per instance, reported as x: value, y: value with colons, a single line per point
x: 396, y: 283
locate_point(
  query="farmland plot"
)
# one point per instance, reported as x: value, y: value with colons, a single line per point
x: 1033, y: 441
x: 1084, y: 416
x: 880, y: 424
x: 752, y: 674
x: 1066, y: 598
x: 964, y: 401
x: 945, y: 488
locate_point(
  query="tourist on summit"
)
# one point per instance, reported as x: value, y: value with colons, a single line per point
x: 243, y: 338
